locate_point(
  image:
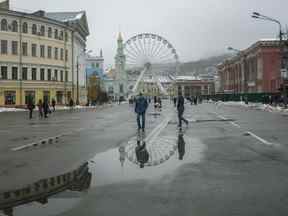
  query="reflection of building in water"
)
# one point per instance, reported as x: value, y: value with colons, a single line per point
x: 75, y: 180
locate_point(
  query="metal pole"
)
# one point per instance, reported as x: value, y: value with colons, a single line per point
x: 77, y: 84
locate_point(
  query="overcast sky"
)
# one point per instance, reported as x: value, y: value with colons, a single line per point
x: 196, y: 28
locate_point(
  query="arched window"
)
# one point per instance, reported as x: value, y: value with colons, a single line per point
x: 4, y: 25
x: 56, y: 34
x: 34, y: 29
x: 14, y: 26
x: 25, y: 28
x: 49, y: 32
x: 42, y: 30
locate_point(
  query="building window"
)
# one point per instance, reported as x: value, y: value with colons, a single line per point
x: 4, y: 72
x: 24, y: 73
x: 66, y: 36
x: 42, y: 51
x: 34, y: 50
x: 61, y: 76
x: 56, y: 53
x: 42, y: 30
x: 55, y: 75
x: 10, y: 97
x: 66, y: 55
x: 42, y: 74
x: 34, y: 74
x: 25, y: 49
x: 14, y: 47
x: 49, y: 32
x: 25, y: 28
x: 62, y: 54
x: 14, y: 26
x: 61, y: 35
x: 34, y: 29
x: 66, y: 76
x: 49, y: 52
x: 56, y: 34
x: 4, y: 49
x: 14, y: 73
x: 4, y: 25
x: 49, y: 74
x: 97, y: 65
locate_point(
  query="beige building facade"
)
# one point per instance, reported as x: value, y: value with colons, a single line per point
x: 37, y: 59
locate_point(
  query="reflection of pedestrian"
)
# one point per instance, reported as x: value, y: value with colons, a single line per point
x: 181, y: 146
x: 140, y: 108
x: 180, y: 109
x: 30, y: 107
x: 142, y: 154
x: 40, y: 108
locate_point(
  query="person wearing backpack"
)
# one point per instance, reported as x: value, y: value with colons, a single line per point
x: 140, y: 108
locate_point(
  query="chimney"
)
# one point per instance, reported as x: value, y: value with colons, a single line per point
x: 4, y: 5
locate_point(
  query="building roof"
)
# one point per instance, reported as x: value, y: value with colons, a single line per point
x: 188, y: 78
x: 65, y: 16
x: 78, y: 20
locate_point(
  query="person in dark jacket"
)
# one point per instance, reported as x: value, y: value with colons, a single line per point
x: 46, y: 108
x: 142, y: 154
x: 181, y: 146
x: 53, y: 104
x: 180, y: 109
x: 40, y: 108
x: 30, y: 107
x: 140, y: 108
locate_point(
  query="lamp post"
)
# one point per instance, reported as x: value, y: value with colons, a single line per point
x: 77, y: 75
x: 283, y: 70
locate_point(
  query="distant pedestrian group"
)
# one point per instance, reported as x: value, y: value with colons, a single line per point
x: 43, y: 107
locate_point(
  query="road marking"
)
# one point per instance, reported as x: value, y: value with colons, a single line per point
x: 225, y: 119
x: 247, y: 132
x: 259, y: 138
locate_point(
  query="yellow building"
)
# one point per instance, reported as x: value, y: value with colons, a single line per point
x: 37, y: 57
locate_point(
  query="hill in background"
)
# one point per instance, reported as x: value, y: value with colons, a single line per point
x: 203, y: 66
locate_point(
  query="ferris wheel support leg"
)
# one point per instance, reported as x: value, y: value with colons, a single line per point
x: 137, y: 82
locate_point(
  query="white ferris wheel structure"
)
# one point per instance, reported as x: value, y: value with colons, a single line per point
x: 154, y: 56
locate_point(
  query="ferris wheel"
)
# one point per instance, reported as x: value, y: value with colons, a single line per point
x: 151, y: 51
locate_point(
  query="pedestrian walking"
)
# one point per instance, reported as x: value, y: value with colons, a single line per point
x: 175, y: 101
x: 40, y: 108
x: 140, y: 108
x: 180, y: 109
x: 53, y: 102
x: 46, y: 108
x: 30, y: 107
x: 71, y: 104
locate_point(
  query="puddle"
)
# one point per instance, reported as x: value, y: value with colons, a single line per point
x: 116, y: 165
x: 58, y: 194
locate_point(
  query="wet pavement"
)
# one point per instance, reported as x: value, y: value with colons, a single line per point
x: 212, y: 167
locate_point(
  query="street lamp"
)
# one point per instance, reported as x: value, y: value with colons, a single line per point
x: 77, y: 82
x: 256, y: 15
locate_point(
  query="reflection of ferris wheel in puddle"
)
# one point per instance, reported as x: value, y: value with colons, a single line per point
x: 159, y: 151
x: 148, y: 50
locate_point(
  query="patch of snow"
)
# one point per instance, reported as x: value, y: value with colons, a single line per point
x: 6, y: 109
